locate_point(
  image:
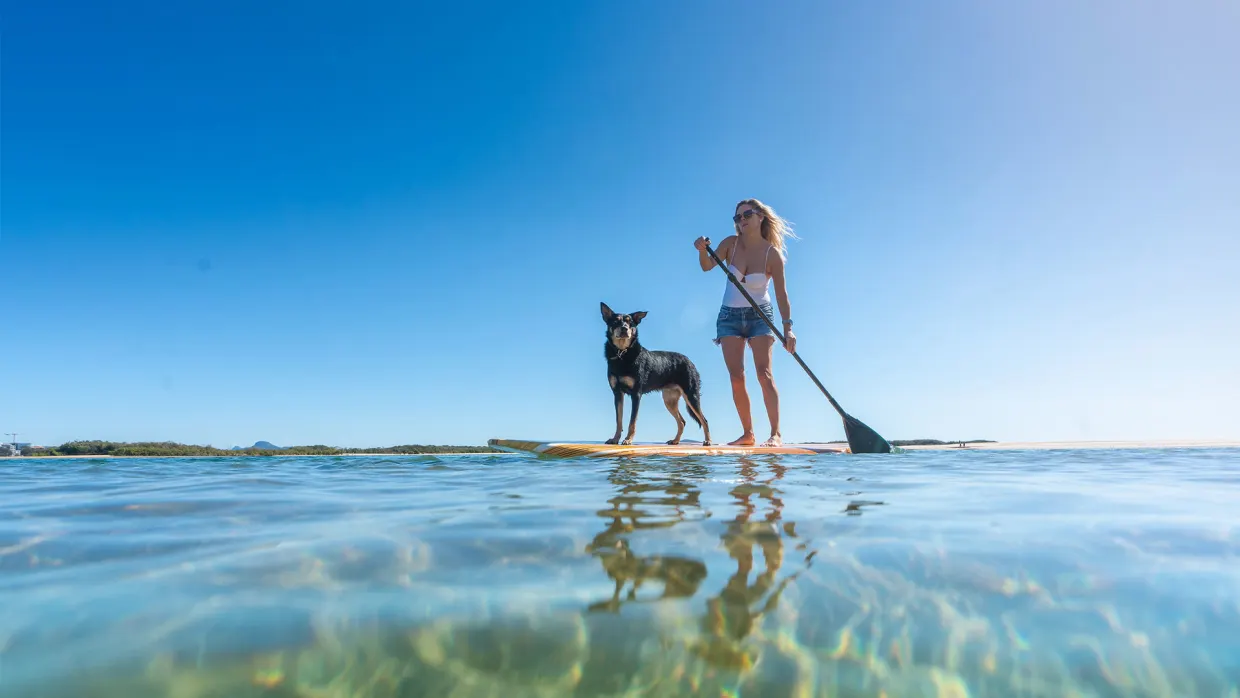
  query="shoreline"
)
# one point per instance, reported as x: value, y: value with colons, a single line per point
x: 272, y: 455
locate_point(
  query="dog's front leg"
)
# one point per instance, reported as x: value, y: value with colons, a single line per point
x: 619, y: 415
x: 636, y: 397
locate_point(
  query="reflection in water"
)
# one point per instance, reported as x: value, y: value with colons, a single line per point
x: 854, y: 507
x: 653, y: 501
x: 732, y: 614
x: 646, y: 504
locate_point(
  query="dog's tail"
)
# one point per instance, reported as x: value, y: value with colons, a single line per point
x: 693, y: 396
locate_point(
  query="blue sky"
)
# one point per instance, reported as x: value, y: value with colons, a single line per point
x: 393, y: 223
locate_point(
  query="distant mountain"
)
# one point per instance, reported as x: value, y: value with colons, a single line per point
x: 264, y: 445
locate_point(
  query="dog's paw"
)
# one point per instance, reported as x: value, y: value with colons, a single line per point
x: 673, y: 442
x: 707, y: 443
x: 613, y: 440
x: 627, y: 442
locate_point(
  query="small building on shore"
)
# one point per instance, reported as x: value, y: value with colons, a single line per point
x: 17, y: 449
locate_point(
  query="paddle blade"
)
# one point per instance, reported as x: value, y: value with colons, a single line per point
x: 862, y: 439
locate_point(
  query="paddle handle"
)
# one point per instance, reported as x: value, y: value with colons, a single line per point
x: 774, y: 329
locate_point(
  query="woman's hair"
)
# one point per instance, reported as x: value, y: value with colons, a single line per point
x: 774, y: 228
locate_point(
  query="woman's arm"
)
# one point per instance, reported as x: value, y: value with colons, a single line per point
x: 781, y: 297
x: 704, y: 259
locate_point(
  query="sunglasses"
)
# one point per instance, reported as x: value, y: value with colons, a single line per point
x: 747, y: 213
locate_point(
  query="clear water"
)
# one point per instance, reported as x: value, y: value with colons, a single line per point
x: 950, y: 573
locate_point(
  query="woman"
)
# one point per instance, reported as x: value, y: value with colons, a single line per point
x: 755, y: 256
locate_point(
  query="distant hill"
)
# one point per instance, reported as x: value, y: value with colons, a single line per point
x: 264, y: 445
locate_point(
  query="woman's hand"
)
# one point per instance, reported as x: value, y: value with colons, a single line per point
x: 790, y: 341
x: 704, y: 260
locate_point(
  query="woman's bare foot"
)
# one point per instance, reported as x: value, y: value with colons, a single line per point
x: 774, y: 441
x: 746, y: 439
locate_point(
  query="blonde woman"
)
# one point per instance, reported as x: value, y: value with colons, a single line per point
x: 755, y: 255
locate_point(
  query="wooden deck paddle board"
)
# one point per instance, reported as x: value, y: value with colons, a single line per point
x: 593, y: 449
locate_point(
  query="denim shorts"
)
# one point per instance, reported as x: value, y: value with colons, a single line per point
x: 743, y: 322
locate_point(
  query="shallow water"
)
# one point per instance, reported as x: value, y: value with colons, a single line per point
x: 932, y: 573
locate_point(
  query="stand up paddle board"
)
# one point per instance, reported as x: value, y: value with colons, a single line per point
x: 595, y: 449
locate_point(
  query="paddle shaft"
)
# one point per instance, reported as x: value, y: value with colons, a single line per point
x: 774, y: 329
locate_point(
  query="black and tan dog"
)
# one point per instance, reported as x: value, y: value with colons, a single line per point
x: 634, y: 370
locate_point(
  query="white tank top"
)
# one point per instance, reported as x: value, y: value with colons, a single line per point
x: 756, y: 283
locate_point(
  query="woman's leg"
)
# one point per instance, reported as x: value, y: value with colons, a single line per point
x: 763, y: 352
x: 734, y: 357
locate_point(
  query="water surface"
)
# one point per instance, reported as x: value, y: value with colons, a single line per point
x: 932, y: 573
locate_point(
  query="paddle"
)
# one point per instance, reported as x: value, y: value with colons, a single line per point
x: 861, y: 439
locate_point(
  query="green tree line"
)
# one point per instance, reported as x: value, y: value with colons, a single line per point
x: 172, y: 449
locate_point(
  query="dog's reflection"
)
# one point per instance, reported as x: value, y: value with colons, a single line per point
x: 648, y: 500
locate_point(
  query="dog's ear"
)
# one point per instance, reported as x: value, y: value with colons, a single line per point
x: 637, y: 317
x: 607, y: 313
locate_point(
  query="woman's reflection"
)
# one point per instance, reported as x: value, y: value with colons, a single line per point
x: 734, y: 612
